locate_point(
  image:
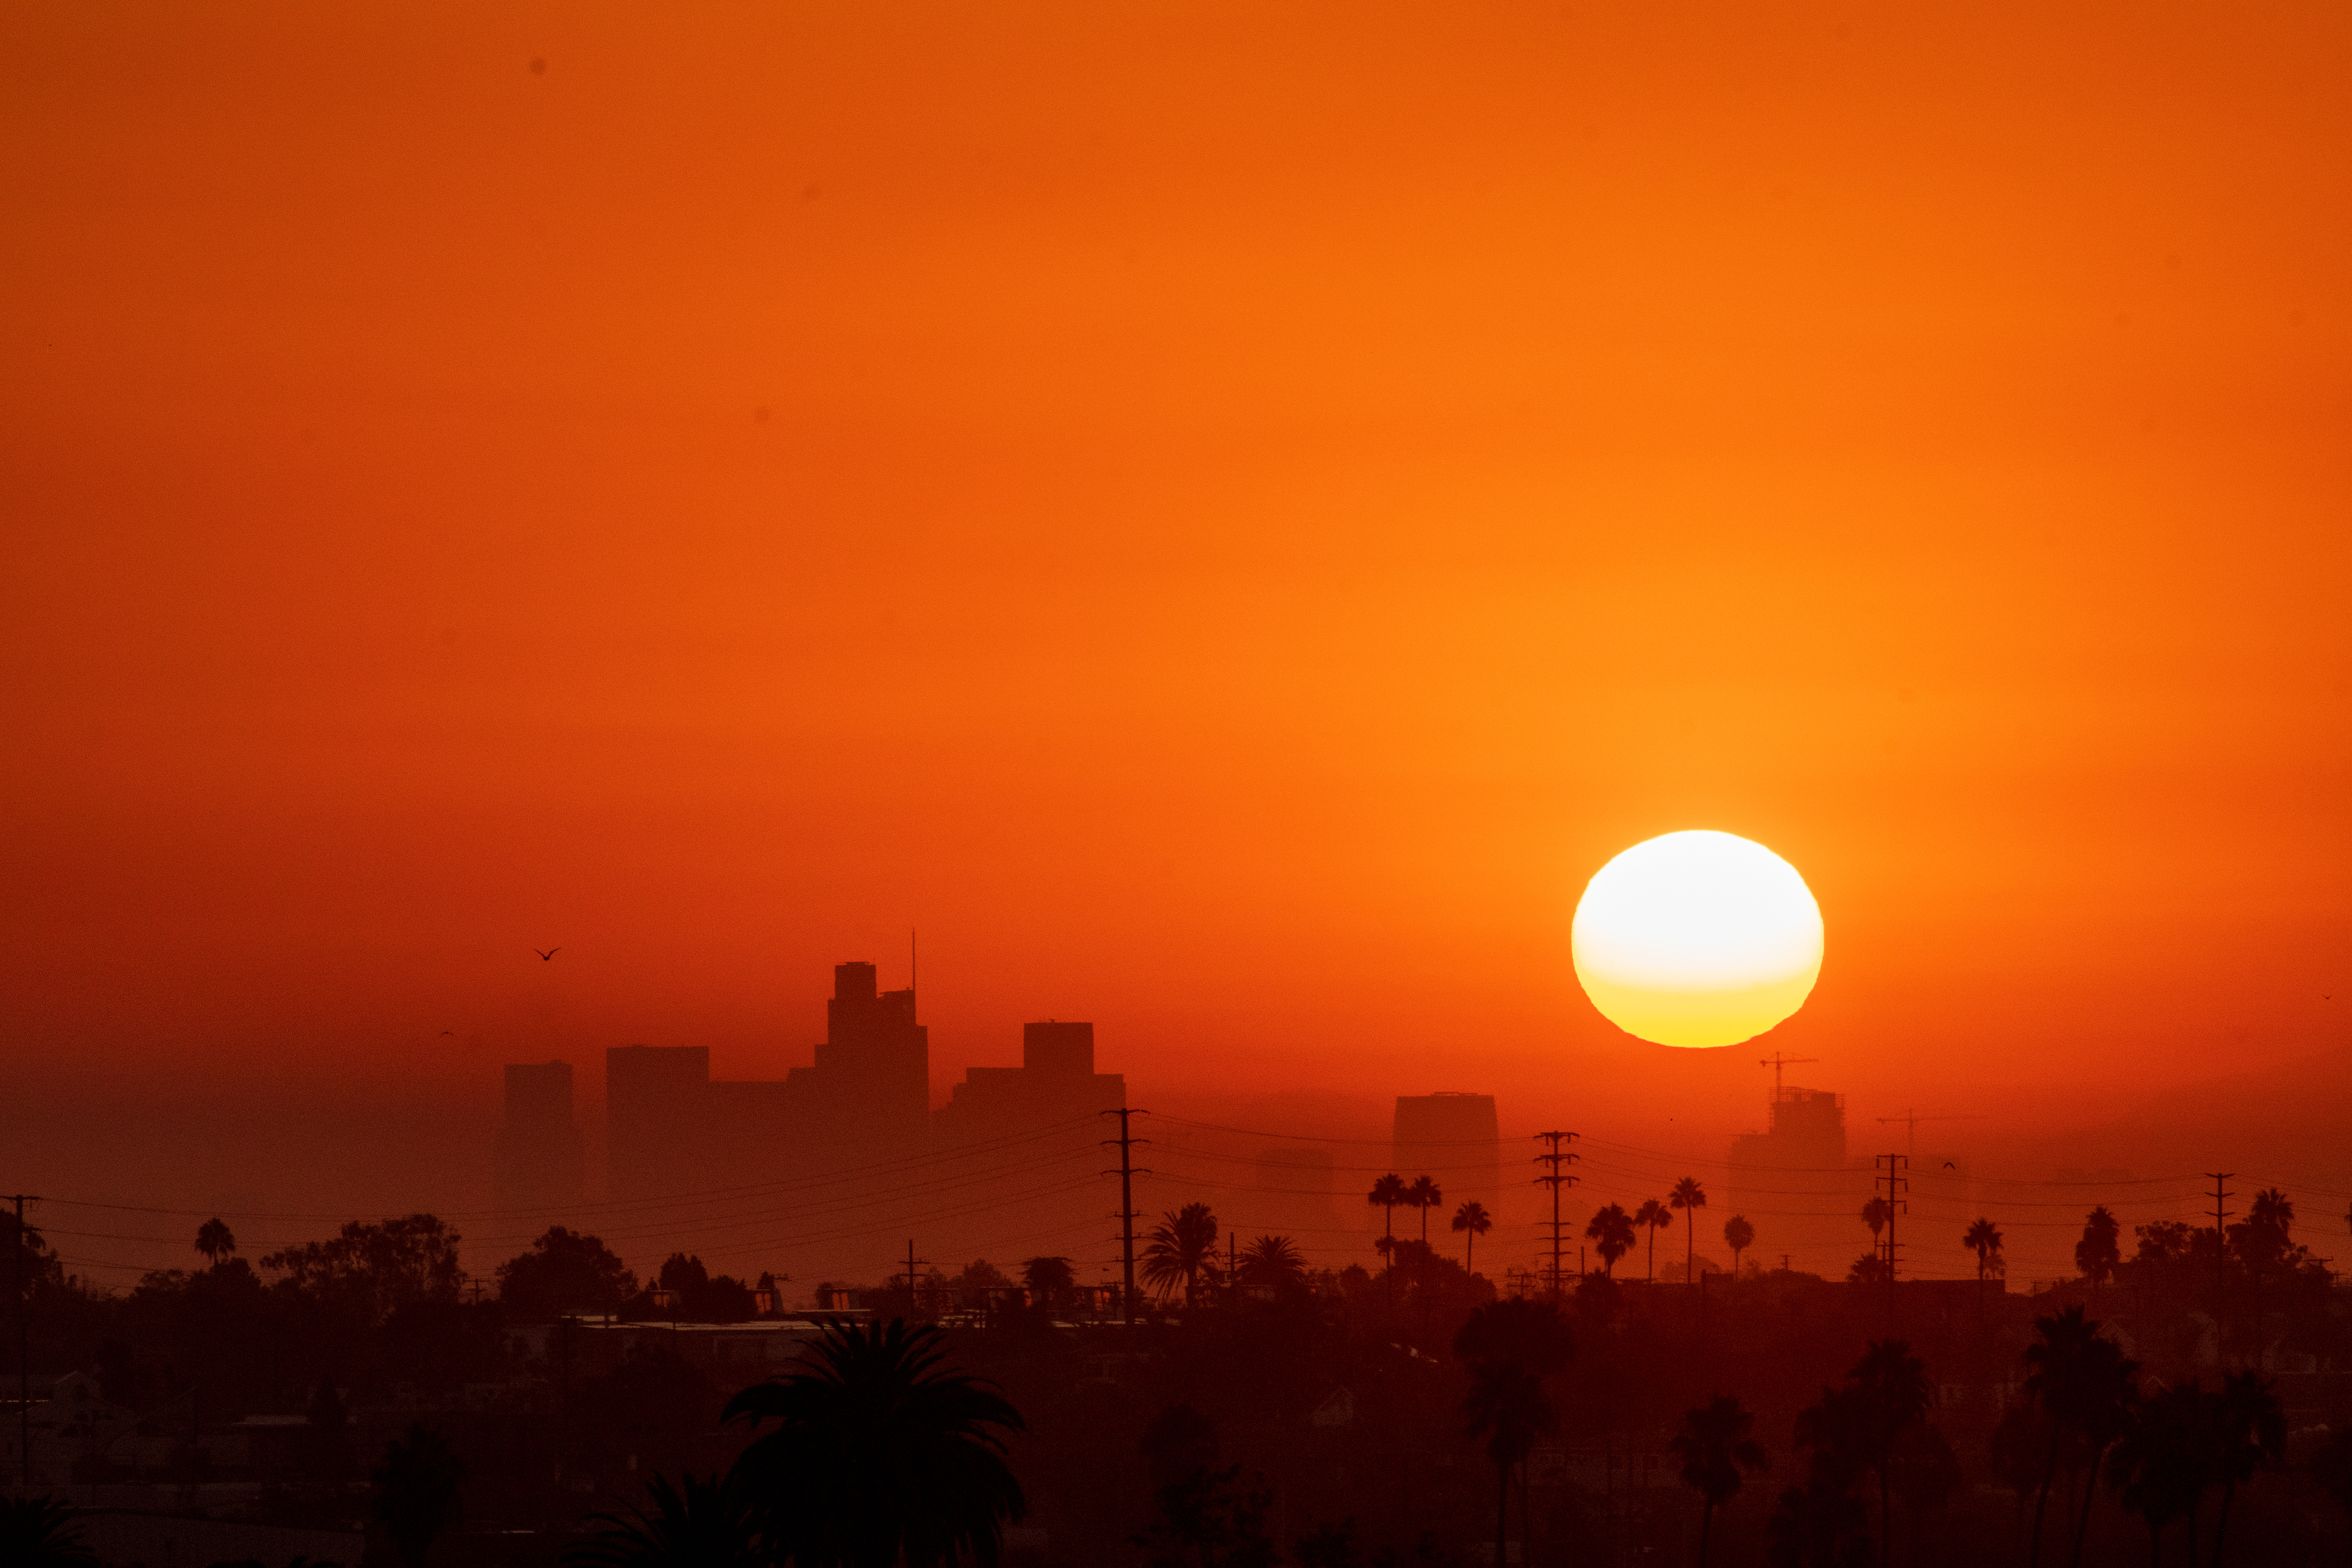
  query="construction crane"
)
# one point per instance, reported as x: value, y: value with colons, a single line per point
x: 1911, y: 1120
x: 1776, y: 1061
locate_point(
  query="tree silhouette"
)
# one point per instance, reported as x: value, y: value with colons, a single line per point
x: 1714, y: 1446
x: 2331, y: 1470
x: 38, y: 1531
x: 878, y: 1457
x: 1822, y: 1524
x: 1511, y: 1347
x: 1387, y: 1194
x: 1183, y: 1247
x: 702, y: 1522
x: 2099, y: 1254
x: 1895, y: 1397
x: 1876, y: 1214
x: 2249, y: 1434
x: 415, y: 1492
x: 1739, y: 1236
x: 1984, y: 1240
x: 1689, y: 1197
x: 565, y: 1271
x: 1273, y: 1263
x: 1049, y: 1279
x: 1653, y: 1214
x: 216, y: 1241
x: 1472, y: 1221
x: 1424, y: 1194
x: 372, y: 1269
x: 2086, y: 1385
x: 2161, y: 1466
x: 1611, y: 1231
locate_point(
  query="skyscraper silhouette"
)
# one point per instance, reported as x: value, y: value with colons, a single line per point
x: 656, y: 1113
x: 538, y: 1171
x: 869, y: 1094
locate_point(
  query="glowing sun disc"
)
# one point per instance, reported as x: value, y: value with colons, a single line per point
x: 1697, y: 939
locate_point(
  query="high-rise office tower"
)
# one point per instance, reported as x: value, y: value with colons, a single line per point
x: 1454, y: 1139
x: 869, y: 1094
x: 656, y: 1113
x: 538, y: 1175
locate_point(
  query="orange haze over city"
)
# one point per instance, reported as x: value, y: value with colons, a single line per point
x: 1217, y: 519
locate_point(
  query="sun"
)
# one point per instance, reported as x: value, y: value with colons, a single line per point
x: 1697, y: 939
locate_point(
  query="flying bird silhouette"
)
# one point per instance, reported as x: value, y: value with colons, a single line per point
x: 1950, y: 1167
x: 551, y: 953
x: 451, y: 1034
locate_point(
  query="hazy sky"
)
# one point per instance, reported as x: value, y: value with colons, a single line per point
x: 1222, y: 516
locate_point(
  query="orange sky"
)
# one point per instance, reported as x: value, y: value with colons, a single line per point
x: 1224, y: 517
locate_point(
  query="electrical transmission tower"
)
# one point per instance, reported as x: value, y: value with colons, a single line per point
x: 1127, y: 1171
x: 1555, y: 1159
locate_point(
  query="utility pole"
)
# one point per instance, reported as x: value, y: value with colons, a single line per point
x: 1127, y: 1142
x: 1555, y: 1159
x: 911, y: 1276
x: 23, y: 1345
x: 1896, y: 1174
x: 1911, y: 1120
x: 2220, y: 1213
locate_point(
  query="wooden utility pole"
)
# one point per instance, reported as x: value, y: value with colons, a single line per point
x: 1127, y: 1171
x: 911, y: 1262
x: 1555, y: 1159
x: 24, y: 1345
x: 2220, y: 1213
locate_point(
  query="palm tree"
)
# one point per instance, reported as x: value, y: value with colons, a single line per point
x: 39, y: 1533
x: 879, y: 1458
x: 703, y: 1523
x: 1611, y: 1231
x: 1895, y: 1397
x: 1654, y: 1214
x: 2161, y: 1467
x: 1984, y: 1240
x: 1183, y: 1247
x: 1690, y: 1197
x: 1388, y: 1195
x: 1424, y: 1195
x: 1876, y: 1214
x: 1714, y: 1448
x: 2086, y: 1385
x: 2249, y: 1433
x: 1739, y: 1236
x: 1511, y: 1346
x: 1049, y: 1280
x: 1273, y: 1263
x: 1472, y: 1221
x: 216, y: 1241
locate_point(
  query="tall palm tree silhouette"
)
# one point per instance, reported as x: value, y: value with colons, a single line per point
x: 1424, y: 1195
x: 1386, y: 1194
x: 1895, y: 1397
x: 702, y: 1522
x: 1689, y: 1197
x: 1611, y: 1231
x: 2249, y: 1433
x: 1183, y: 1247
x: 1511, y: 1347
x: 1714, y: 1446
x: 1739, y: 1236
x: 1655, y: 1215
x: 2086, y: 1385
x: 879, y: 1456
x: 1984, y: 1240
x: 1472, y: 1220
x: 2161, y: 1465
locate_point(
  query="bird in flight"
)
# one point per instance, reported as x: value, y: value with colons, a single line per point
x: 451, y: 1034
x: 550, y: 954
x: 1950, y: 1167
